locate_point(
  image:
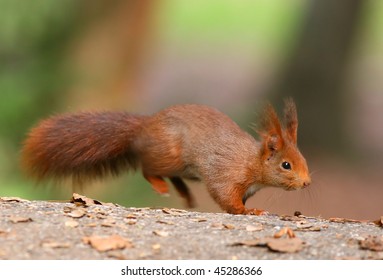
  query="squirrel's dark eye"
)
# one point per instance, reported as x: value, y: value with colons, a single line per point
x: 286, y: 165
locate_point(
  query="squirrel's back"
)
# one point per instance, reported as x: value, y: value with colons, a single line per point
x: 190, y: 138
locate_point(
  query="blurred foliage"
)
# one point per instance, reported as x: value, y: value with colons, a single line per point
x: 34, y: 75
x: 34, y: 36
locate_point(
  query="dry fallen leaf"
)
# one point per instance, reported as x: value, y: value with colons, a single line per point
x: 4, y: 233
x: 165, y: 222
x: 373, y: 243
x: 297, y: 213
x: 107, y: 243
x: 77, y: 213
x: 307, y: 227
x: 91, y: 225
x: 156, y: 246
x: 12, y: 199
x: 161, y: 233
x: 131, y: 222
x: 108, y: 223
x: 131, y: 216
x: 285, y: 245
x: 173, y: 211
x: 71, y: 223
x: 344, y: 220
x: 216, y: 225
x: 18, y: 219
x: 379, y: 222
x: 83, y: 200
x: 290, y: 218
x: 228, y: 226
x: 285, y: 231
x: 337, y: 220
x: 255, y: 227
x: 199, y: 220
x: 252, y: 242
x: 53, y: 244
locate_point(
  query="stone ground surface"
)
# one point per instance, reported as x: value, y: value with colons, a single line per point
x: 84, y: 230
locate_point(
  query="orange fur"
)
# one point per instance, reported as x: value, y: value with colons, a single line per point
x: 181, y: 142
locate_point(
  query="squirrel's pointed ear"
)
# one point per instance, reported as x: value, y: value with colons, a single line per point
x: 271, y: 130
x: 291, y: 119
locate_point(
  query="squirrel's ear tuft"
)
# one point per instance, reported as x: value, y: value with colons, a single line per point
x: 291, y: 119
x: 270, y: 129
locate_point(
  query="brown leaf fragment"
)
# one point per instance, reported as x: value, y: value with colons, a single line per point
x: 297, y: 213
x: 373, y: 243
x: 131, y: 216
x: 173, y: 211
x: 161, y: 233
x: 285, y: 245
x: 167, y: 211
x: 216, y: 225
x: 91, y: 225
x: 379, y: 222
x: 12, y: 199
x: 19, y: 219
x: 83, y: 200
x: 71, y: 223
x: 108, y: 223
x: 337, y: 220
x: 99, y: 216
x: 156, y: 246
x: 228, y: 226
x: 307, y: 227
x: 131, y: 222
x: 77, y: 213
x: 199, y: 220
x: 339, y: 236
x: 107, y: 243
x: 165, y: 222
x: 253, y: 242
x: 345, y: 220
x: 290, y: 218
x: 312, y: 228
x: 4, y: 232
x: 254, y: 227
x: 54, y: 245
x: 68, y: 209
x: 285, y: 231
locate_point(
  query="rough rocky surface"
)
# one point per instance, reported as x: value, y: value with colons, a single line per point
x: 85, y: 230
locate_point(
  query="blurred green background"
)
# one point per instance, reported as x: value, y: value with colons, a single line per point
x: 142, y: 55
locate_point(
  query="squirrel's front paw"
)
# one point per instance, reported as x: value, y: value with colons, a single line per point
x: 258, y: 212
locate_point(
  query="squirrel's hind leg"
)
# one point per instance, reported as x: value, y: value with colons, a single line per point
x: 183, y: 191
x: 158, y: 184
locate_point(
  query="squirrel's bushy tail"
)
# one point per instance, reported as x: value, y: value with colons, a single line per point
x: 82, y: 146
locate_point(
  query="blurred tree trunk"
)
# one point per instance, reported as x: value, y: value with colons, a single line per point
x: 314, y: 75
x: 109, y: 55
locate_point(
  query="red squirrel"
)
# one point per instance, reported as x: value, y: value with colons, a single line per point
x: 194, y: 142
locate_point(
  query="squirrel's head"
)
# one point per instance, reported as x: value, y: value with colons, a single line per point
x: 283, y: 164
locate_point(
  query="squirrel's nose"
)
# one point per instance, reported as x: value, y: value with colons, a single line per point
x: 306, y: 182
